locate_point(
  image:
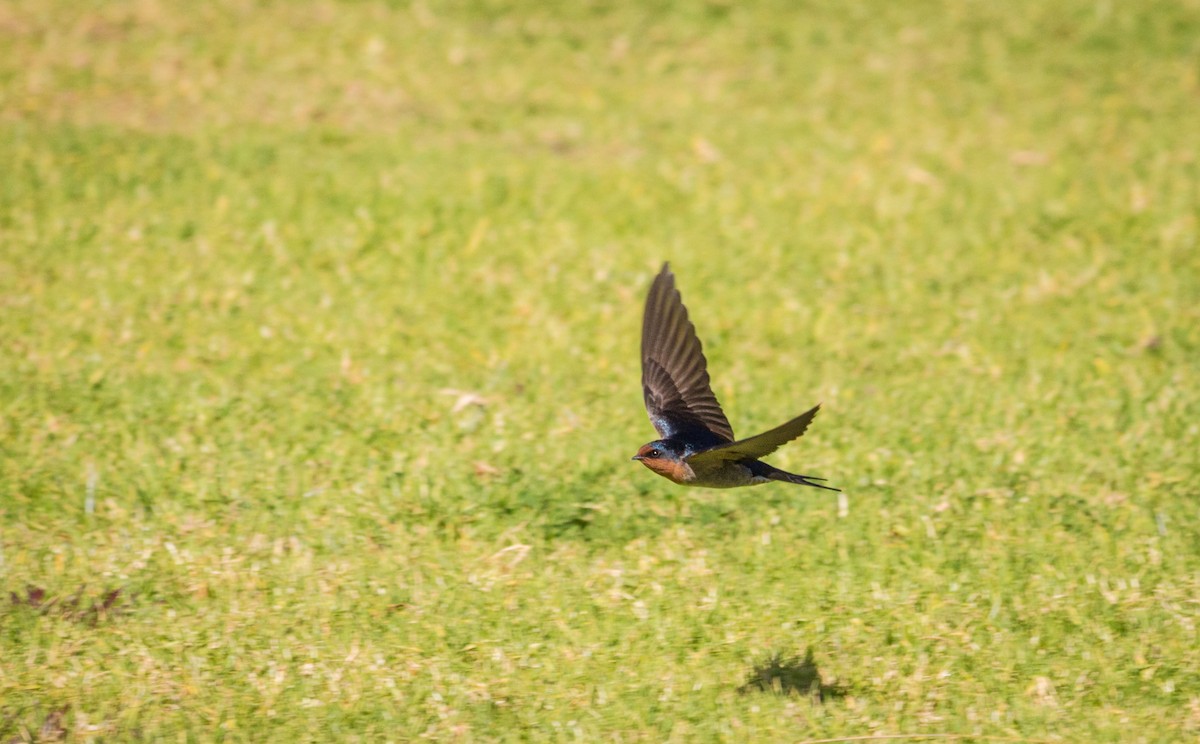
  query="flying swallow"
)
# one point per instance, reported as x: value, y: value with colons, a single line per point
x: 697, y: 447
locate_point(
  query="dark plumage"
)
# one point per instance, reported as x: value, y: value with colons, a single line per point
x: 697, y: 446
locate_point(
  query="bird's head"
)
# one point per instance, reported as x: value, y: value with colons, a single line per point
x: 664, y: 458
x: 657, y: 450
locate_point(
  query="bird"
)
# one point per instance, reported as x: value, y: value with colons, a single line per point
x: 696, y: 446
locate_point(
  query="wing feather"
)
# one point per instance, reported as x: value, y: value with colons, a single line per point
x: 759, y: 445
x: 675, y: 384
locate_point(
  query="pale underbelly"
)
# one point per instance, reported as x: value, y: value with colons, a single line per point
x: 722, y: 475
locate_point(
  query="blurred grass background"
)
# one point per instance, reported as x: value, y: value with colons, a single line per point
x: 319, y: 370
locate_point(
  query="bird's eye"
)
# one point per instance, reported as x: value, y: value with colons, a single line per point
x: 654, y: 453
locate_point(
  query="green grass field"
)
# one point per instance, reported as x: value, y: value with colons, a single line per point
x: 319, y: 370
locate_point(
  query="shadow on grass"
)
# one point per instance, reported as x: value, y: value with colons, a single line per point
x: 784, y: 676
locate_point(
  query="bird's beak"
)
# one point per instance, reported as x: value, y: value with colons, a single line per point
x: 637, y: 457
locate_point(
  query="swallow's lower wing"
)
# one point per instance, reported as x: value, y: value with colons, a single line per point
x: 675, y: 382
x: 760, y: 445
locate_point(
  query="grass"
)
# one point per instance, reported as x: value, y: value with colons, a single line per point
x: 319, y: 375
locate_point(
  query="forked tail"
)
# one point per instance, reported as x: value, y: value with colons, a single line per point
x: 773, y: 473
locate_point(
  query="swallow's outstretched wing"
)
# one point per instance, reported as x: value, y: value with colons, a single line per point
x: 760, y: 445
x: 674, y: 372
